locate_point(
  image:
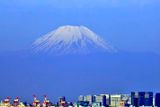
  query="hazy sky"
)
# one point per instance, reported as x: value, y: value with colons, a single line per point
x: 130, y: 25
x: 79, y: 3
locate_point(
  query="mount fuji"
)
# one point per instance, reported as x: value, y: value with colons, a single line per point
x: 57, y: 75
x: 71, y: 40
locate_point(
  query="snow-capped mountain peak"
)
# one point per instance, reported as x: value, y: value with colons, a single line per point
x: 71, y: 40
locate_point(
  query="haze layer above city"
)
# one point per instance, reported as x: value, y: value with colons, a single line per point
x: 78, y: 47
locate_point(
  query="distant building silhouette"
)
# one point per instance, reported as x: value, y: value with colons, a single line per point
x: 141, y: 99
x: 157, y: 100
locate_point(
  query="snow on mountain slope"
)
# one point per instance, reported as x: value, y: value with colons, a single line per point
x: 71, y: 40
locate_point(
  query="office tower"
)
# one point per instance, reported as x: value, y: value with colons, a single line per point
x: 107, y: 99
x: 81, y: 98
x: 134, y: 99
x: 157, y: 100
x: 101, y: 99
x: 115, y: 100
x: 141, y: 99
x: 125, y: 100
x: 148, y: 99
x: 89, y: 98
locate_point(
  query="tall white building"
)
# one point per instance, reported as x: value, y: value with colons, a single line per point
x: 89, y: 98
x: 100, y: 99
x: 81, y: 98
x: 115, y: 100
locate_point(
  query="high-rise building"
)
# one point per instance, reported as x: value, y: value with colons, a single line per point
x: 141, y: 99
x: 101, y: 99
x: 115, y: 100
x: 107, y: 98
x: 125, y: 100
x: 148, y: 99
x: 134, y: 99
x: 157, y: 100
x: 81, y: 98
x: 89, y: 98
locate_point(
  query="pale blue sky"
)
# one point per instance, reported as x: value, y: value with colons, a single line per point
x: 80, y: 3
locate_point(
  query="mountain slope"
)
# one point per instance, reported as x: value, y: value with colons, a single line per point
x: 71, y: 40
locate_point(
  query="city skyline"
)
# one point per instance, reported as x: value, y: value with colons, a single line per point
x: 134, y: 99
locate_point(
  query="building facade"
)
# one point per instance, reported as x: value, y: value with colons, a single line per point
x: 157, y: 100
x: 141, y: 99
x: 115, y: 100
